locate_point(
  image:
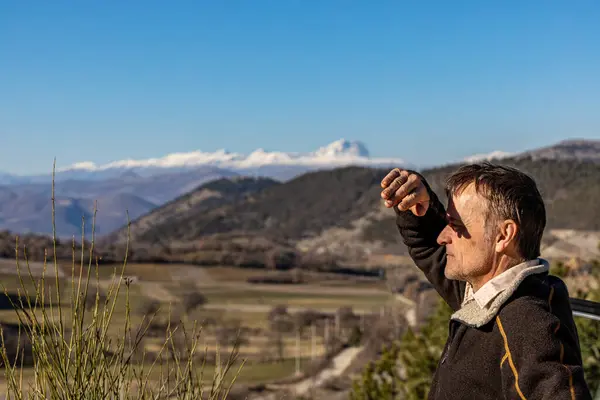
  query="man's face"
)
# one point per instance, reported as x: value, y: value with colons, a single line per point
x: 469, y: 246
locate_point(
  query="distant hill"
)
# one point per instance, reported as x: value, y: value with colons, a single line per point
x: 584, y: 150
x: 331, y: 217
x: 156, y: 181
x: 27, y: 207
x: 136, y: 187
x: 176, y: 213
x: 340, y: 213
x: 40, y: 247
x: 298, y: 208
x: 573, y: 149
x: 25, y: 212
x: 333, y: 213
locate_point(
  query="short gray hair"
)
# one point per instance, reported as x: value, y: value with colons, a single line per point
x: 511, y: 194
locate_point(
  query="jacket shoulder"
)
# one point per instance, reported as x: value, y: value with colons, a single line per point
x: 540, y: 338
x: 539, y: 313
x: 539, y: 296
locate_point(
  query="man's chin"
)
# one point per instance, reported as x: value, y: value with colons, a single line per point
x: 452, y: 275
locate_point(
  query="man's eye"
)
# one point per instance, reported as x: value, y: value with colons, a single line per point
x: 456, y: 228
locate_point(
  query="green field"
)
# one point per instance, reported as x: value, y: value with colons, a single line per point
x: 229, y: 301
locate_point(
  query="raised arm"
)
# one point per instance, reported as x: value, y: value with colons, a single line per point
x: 420, y: 217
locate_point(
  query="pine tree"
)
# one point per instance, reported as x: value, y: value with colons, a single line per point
x: 420, y: 352
x: 380, y: 379
x: 405, y: 367
x: 589, y: 334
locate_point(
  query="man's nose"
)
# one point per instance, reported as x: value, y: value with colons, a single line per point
x: 444, y: 236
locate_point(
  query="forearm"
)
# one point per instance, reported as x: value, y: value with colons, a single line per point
x: 420, y: 234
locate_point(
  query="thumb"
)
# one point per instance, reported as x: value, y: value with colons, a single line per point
x: 420, y: 209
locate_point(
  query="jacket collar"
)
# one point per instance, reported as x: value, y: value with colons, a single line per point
x: 478, y: 308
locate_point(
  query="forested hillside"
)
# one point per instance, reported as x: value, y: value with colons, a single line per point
x: 335, y: 213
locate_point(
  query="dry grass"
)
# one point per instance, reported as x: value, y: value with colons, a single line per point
x: 68, y: 341
x: 73, y: 344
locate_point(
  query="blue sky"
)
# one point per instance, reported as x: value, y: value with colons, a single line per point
x: 425, y: 81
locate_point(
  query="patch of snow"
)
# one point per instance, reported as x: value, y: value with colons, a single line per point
x: 494, y: 155
x: 338, y: 153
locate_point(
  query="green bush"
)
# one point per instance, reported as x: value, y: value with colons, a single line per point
x: 589, y: 334
x: 559, y: 269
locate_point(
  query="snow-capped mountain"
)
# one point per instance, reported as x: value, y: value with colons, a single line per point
x: 494, y: 155
x: 130, y: 188
x: 343, y: 148
x: 341, y: 152
x: 136, y: 186
x: 277, y: 164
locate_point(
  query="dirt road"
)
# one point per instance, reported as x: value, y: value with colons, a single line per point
x: 339, y: 365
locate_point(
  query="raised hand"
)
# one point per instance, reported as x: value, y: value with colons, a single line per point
x: 406, y: 190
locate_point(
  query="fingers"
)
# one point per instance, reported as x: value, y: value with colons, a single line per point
x: 393, y: 174
x: 399, y: 189
x: 392, y: 182
x: 405, y: 190
x: 408, y: 188
x: 413, y: 198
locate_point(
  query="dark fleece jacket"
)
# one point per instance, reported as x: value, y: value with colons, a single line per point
x: 527, y: 347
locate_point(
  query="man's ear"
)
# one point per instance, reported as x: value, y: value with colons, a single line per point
x: 506, y: 235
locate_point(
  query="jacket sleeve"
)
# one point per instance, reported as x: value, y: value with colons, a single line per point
x: 419, y: 234
x: 541, y: 356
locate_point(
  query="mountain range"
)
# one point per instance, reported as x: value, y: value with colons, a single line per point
x: 128, y: 189
x: 134, y: 189
x: 281, y: 165
x: 335, y: 213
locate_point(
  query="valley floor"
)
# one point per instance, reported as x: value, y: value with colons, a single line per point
x: 229, y: 303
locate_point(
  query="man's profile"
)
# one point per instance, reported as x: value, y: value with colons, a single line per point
x: 512, y: 333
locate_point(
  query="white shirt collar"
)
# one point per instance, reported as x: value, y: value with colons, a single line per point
x: 499, y: 283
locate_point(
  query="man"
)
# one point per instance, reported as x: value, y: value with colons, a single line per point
x: 512, y: 334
